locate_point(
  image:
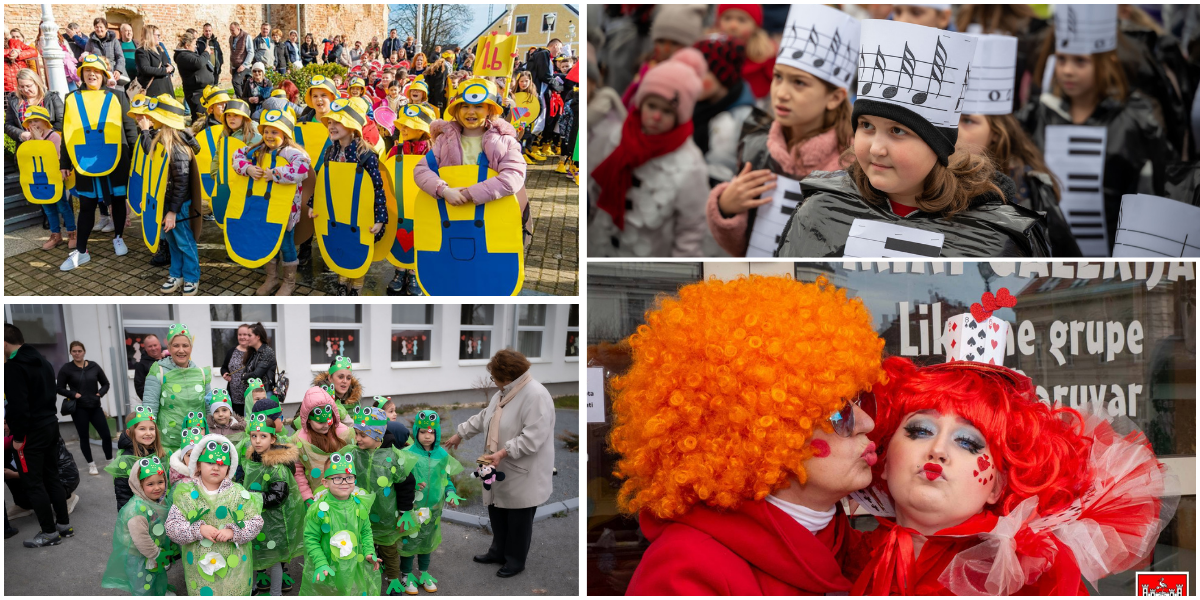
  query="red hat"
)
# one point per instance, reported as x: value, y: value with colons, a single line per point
x: 754, y: 10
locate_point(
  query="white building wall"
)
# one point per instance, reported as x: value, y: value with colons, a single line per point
x: 444, y: 379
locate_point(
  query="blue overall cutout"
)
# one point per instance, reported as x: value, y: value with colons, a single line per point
x: 220, y: 194
x: 137, y: 179
x: 95, y: 155
x: 342, y: 242
x: 41, y: 188
x: 206, y: 179
x: 151, y: 227
x: 250, y: 236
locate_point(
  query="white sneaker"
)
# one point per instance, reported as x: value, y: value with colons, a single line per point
x: 172, y: 284
x: 74, y: 259
x: 105, y: 225
x: 92, y: 469
x: 16, y: 512
x: 428, y: 582
x: 410, y: 585
x: 71, y: 502
x: 119, y: 247
x: 191, y: 289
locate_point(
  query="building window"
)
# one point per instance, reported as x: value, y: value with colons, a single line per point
x: 478, y: 327
x: 226, y: 318
x: 531, y: 329
x: 141, y: 320
x: 334, y: 330
x: 573, y: 332
x: 521, y: 24
x: 548, y: 22
x: 412, y: 332
x: 44, y: 328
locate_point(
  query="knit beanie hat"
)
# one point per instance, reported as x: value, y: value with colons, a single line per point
x: 678, y: 79
x: 724, y: 56
x: 679, y: 23
x: 754, y: 10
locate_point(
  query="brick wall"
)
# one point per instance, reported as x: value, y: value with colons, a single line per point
x: 355, y: 21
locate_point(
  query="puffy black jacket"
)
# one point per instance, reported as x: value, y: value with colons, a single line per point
x: 195, y: 70
x: 179, y: 173
x: 140, y: 371
x: 89, y: 382
x: 991, y: 227
x: 1035, y: 191
x: 1151, y: 62
x: 12, y: 111
x: 29, y: 389
x: 309, y: 53
x: 152, y: 72
x: 121, y: 484
x: 1134, y: 137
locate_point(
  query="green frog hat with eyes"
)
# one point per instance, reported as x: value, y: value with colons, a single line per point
x: 214, y: 448
x: 428, y: 419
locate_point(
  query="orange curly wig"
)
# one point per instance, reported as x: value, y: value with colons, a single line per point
x: 727, y: 384
x: 1040, y: 450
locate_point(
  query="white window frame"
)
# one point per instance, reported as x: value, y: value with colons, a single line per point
x: 127, y: 323
x: 545, y: 329
x: 515, y: 17
x: 434, y: 341
x: 571, y: 328
x: 496, y: 343
x: 360, y: 327
x: 268, y: 325
x: 543, y: 24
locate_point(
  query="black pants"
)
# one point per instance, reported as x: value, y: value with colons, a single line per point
x: 92, y: 416
x: 239, y: 408
x: 87, y: 219
x: 512, y: 531
x: 39, y: 473
x: 193, y: 102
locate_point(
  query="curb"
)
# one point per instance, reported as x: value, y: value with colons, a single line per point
x: 543, y: 513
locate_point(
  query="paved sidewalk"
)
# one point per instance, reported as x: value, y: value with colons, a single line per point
x: 551, y: 263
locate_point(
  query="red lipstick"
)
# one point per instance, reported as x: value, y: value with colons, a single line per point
x: 932, y: 471
x: 869, y: 455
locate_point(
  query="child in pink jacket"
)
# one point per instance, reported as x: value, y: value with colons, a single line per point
x: 474, y: 129
x: 318, y: 435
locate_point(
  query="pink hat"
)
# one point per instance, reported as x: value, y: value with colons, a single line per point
x: 679, y: 78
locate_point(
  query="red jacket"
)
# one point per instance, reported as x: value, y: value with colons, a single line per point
x: 753, y: 551
x: 893, y: 571
x: 23, y: 60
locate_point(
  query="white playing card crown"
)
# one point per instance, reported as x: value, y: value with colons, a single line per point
x: 822, y: 41
x: 920, y: 68
x: 1085, y: 28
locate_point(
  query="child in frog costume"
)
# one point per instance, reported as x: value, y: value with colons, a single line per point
x: 140, y: 439
x: 433, y: 469
x: 215, y: 519
x: 338, y: 545
x: 173, y: 391
x: 180, y: 469
x: 386, y: 471
x: 269, y: 467
x: 221, y: 418
x: 319, y: 435
x: 141, y: 549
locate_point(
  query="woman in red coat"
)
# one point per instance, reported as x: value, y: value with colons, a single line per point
x: 739, y: 431
x: 17, y: 55
x: 994, y: 492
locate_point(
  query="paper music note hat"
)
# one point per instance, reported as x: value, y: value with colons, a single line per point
x: 822, y: 41
x: 1085, y: 28
x: 993, y: 75
x: 978, y: 336
x: 916, y: 76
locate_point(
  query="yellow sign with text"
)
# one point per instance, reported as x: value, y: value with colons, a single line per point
x: 495, y: 56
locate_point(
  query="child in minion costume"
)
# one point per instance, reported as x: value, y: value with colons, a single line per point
x: 39, y: 161
x: 418, y: 93
x: 208, y: 133
x: 411, y: 145
x: 141, y: 549
x: 339, y: 545
x: 213, y: 100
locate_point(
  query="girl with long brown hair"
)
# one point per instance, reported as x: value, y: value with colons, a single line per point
x: 318, y: 435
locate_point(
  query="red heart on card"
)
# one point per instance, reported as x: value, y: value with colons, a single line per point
x: 995, y: 327
x: 993, y: 344
x: 405, y: 238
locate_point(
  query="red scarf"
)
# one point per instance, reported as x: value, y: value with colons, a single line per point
x: 636, y: 147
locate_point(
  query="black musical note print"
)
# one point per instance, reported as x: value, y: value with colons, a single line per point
x: 908, y: 66
x: 812, y: 41
x: 963, y: 92
x: 905, y: 78
x: 936, y: 72
x: 833, y: 49
x: 880, y: 67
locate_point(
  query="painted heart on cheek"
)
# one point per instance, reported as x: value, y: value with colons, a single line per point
x: 984, y: 463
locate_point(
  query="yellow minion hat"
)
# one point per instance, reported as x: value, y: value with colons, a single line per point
x: 448, y: 55
x: 356, y: 82
x: 415, y: 116
x: 476, y: 90
x: 346, y: 112
x: 419, y: 84
x: 36, y: 112
x: 138, y: 106
x: 213, y: 95
x: 319, y: 82
x: 278, y: 93
x: 167, y: 111
x: 93, y: 61
x: 283, y: 120
x: 239, y: 107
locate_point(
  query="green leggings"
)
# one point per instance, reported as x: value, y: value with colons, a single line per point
x: 406, y: 563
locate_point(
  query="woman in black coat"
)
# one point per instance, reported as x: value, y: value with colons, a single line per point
x: 84, y: 381
x: 309, y: 51
x: 16, y: 103
x: 196, y: 71
x: 154, y: 68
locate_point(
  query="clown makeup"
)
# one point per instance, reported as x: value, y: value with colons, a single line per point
x: 154, y: 486
x: 974, y: 133
x: 366, y: 442
x: 341, y: 486
x: 658, y: 115
x: 212, y: 474
x: 261, y: 441
x: 341, y: 380
x: 337, y: 132
x: 145, y: 432
x: 939, y: 471
x: 321, y: 99
x: 839, y: 465
x: 426, y: 437
x: 181, y: 350
x: 221, y: 416
x: 273, y: 137
x: 895, y: 159
x: 472, y: 117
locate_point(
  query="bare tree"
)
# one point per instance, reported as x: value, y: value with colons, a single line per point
x: 441, y: 24
x: 485, y: 384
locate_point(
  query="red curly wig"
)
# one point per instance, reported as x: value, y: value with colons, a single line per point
x: 1041, y: 451
x: 726, y: 386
